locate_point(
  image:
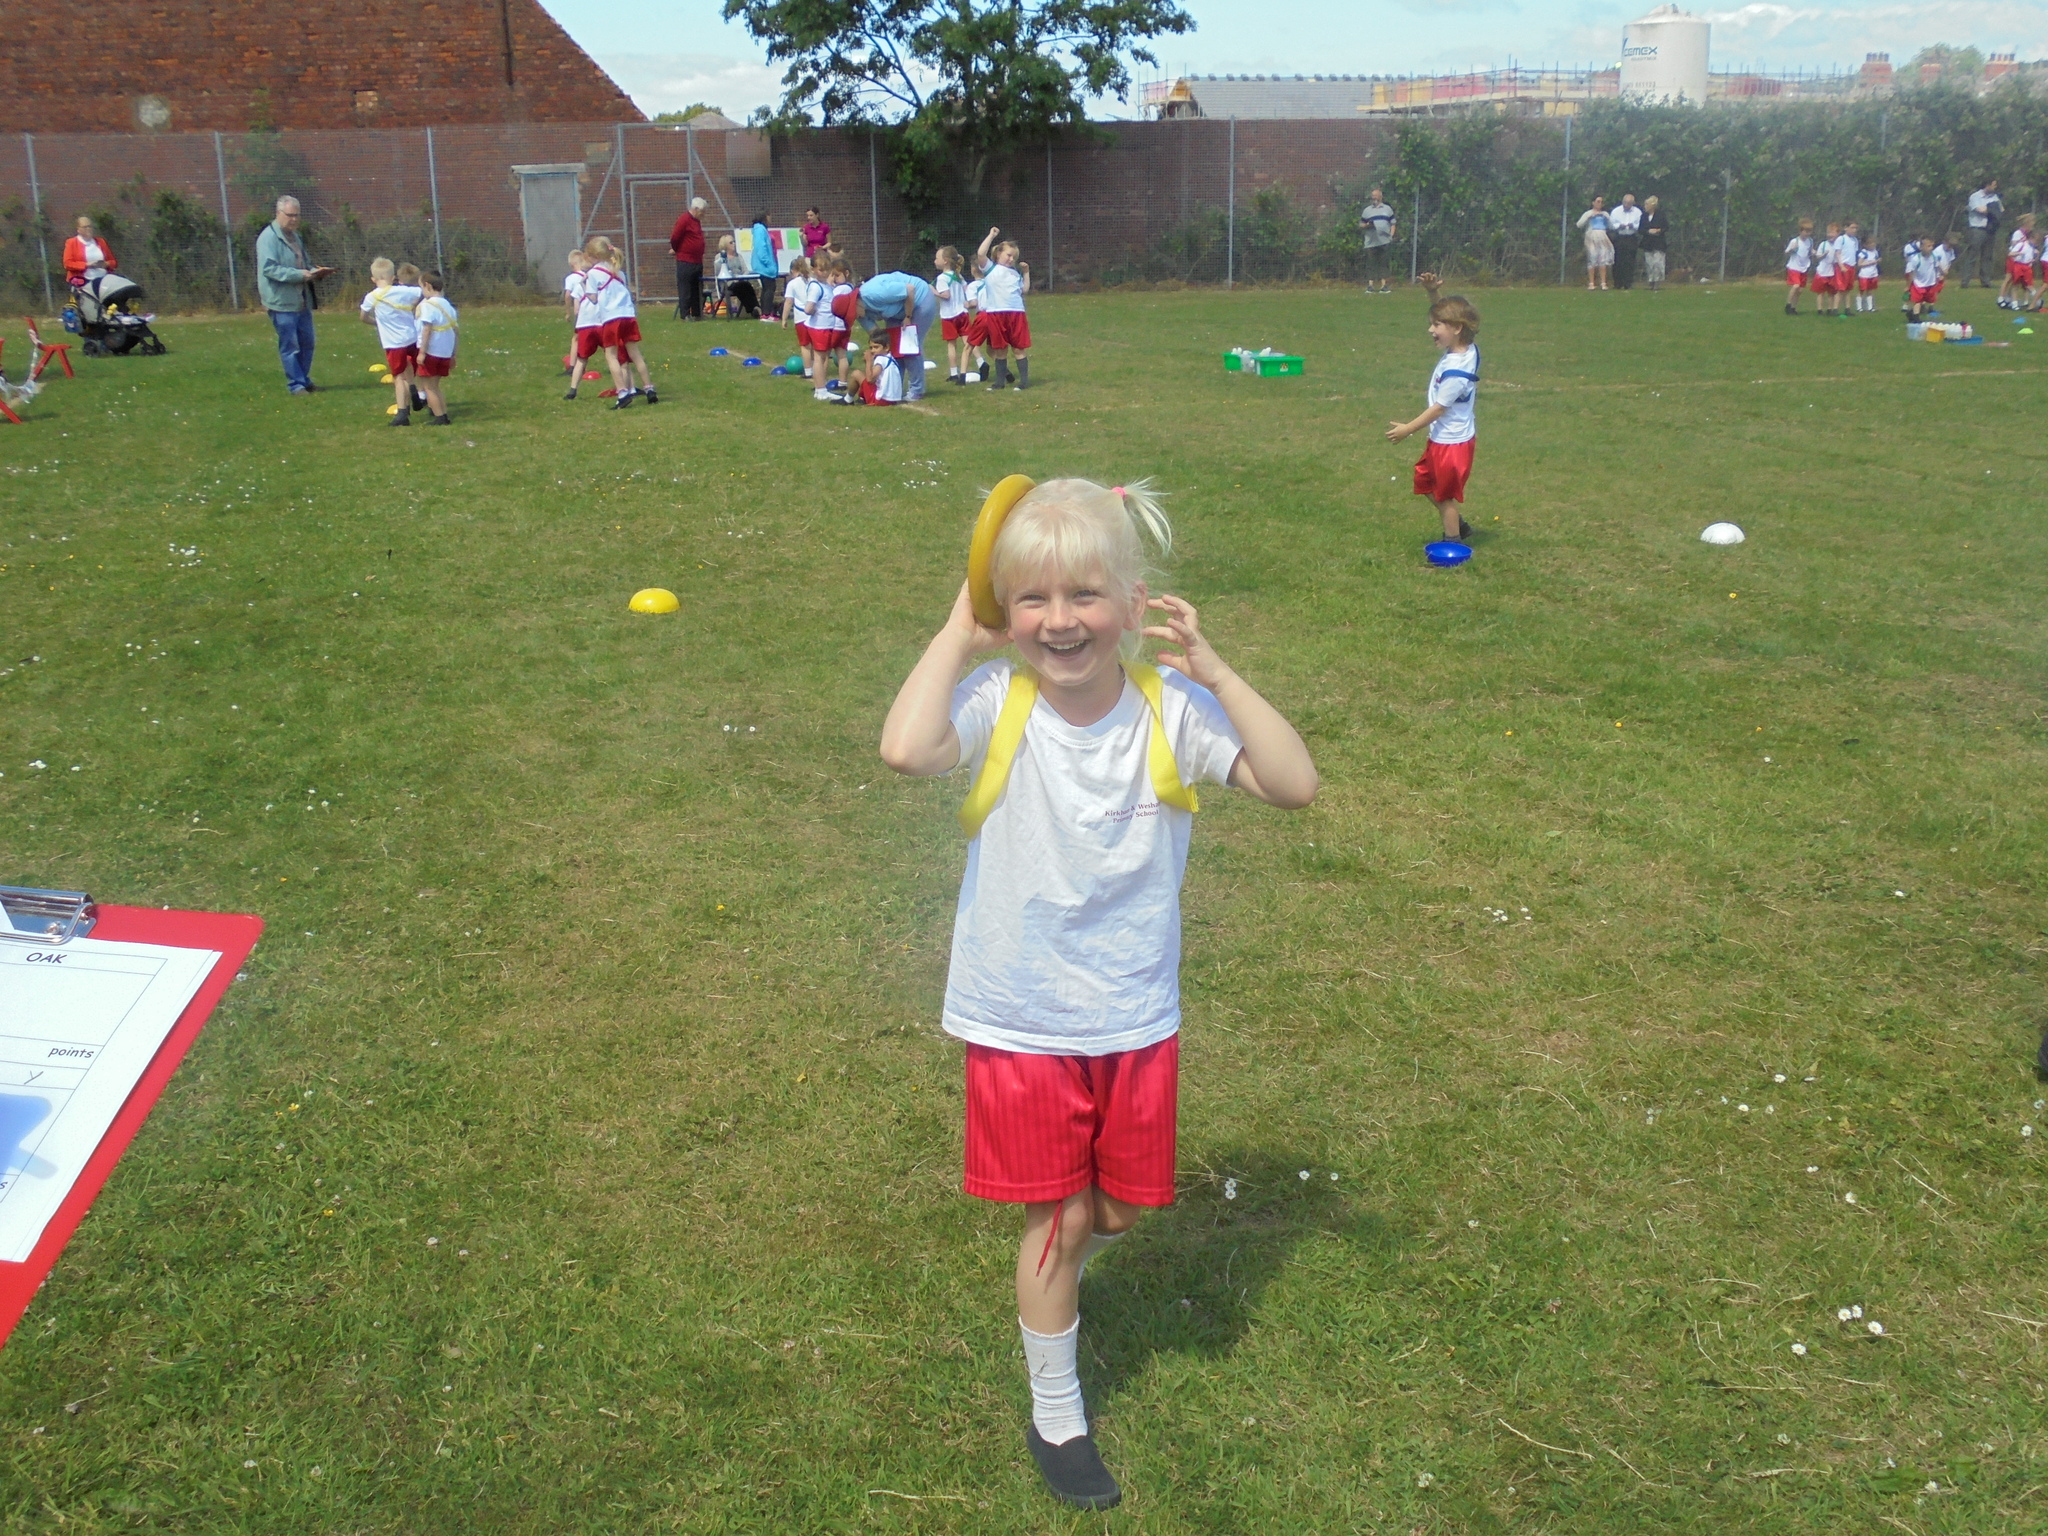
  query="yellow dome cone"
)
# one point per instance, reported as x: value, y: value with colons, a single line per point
x: 654, y: 600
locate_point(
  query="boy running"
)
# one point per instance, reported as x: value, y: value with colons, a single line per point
x: 1446, y: 464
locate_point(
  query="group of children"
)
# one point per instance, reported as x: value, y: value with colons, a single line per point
x: 416, y: 326
x: 982, y: 324
x: 1836, y: 266
x: 598, y: 301
x: 2026, y: 261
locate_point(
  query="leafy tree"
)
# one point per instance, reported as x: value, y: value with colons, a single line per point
x: 694, y: 109
x: 959, y: 80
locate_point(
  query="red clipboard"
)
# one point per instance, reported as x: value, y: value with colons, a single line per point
x: 234, y: 936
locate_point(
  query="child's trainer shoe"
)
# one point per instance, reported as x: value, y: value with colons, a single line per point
x: 442, y: 421
x: 1073, y: 1470
x: 625, y: 399
x: 650, y: 396
x: 402, y: 419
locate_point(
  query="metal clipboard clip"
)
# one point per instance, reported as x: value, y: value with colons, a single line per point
x: 45, y: 917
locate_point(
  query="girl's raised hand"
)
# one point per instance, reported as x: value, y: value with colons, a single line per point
x: 1197, y: 659
x: 962, y: 622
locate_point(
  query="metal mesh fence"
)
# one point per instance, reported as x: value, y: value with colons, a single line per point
x: 1193, y: 201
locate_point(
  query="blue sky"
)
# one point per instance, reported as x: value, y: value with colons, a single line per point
x: 666, y: 53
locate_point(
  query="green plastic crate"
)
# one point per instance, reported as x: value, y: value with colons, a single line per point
x: 1269, y: 367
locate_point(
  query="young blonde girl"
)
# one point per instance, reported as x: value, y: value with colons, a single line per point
x: 951, y: 285
x: 1065, y: 974
x: 1005, y: 279
x: 619, y: 319
x: 799, y: 301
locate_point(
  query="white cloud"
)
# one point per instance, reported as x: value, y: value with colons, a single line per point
x: 665, y: 82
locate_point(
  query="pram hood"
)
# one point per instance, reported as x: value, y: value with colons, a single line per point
x: 100, y: 293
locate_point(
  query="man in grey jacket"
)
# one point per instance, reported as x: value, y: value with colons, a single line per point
x: 285, y: 276
x: 1377, y: 220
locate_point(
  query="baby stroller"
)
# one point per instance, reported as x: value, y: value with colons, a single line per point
x: 109, y: 319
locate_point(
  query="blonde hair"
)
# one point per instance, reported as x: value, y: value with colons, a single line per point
x: 408, y: 273
x: 948, y: 256
x: 381, y: 268
x: 1009, y: 248
x: 598, y: 248
x: 576, y: 256
x: 1083, y: 531
x: 799, y: 267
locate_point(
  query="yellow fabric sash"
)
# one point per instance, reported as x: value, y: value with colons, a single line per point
x: 1008, y: 735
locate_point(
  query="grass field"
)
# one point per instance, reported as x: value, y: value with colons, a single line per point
x: 580, y: 1153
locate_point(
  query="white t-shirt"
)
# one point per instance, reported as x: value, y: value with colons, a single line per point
x: 1454, y: 385
x: 1866, y: 262
x: 1845, y: 249
x: 1944, y: 258
x: 572, y: 285
x: 2020, y: 248
x: 1798, y: 254
x: 613, y: 294
x: 889, y: 382
x: 952, y: 296
x: 578, y: 284
x: 393, y: 308
x: 437, y: 322
x: 1824, y: 252
x: 1002, y: 290
x: 977, y: 291
x: 827, y: 321
x: 1922, y: 269
x: 95, y: 256
x: 1067, y: 937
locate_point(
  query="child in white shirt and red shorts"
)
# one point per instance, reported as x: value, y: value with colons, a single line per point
x: 1005, y: 280
x: 1065, y: 974
x: 580, y: 305
x: 618, y: 321
x: 1446, y: 464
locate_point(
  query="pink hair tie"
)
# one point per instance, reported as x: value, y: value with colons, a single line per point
x: 1116, y: 490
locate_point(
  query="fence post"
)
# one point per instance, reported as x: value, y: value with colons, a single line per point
x: 1564, y: 207
x: 1230, y: 235
x: 1727, y: 185
x: 874, y: 203
x: 1048, y: 214
x: 1415, y: 238
x: 434, y: 195
x: 35, y: 197
x: 227, y: 220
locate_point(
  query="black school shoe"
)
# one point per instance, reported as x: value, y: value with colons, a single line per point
x: 1464, y: 529
x: 402, y: 419
x: 650, y: 396
x: 442, y: 421
x: 1073, y: 1470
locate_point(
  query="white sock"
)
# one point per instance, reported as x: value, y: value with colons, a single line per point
x: 1055, y: 1384
x: 1097, y: 1241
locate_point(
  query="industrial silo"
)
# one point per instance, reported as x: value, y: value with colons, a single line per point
x: 1664, y: 57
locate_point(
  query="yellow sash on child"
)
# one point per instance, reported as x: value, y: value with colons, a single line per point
x: 1009, y: 735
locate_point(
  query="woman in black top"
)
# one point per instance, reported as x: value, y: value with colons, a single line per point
x: 1655, y: 243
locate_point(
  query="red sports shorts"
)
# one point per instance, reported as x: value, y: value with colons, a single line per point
x: 977, y: 330
x: 588, y: 339
x: 436, y: 367
x: 1794, y: 279
x: 398, y: 359
x: 1008, y: 328
x: 1866, y: 284
x: 1443, y: 469
x: 829, y: 341
x: 953, y: 329
x: 2021, y: 272
x: 616, y: 333
x: 1046, y: 1127
x: 1915, y: 294
x: 1845, y: 279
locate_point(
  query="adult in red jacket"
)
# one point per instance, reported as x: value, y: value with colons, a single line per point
x: 87, y: 256
x: 687, y: 242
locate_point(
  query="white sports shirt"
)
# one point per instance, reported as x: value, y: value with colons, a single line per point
x: 1846, y: 246
x: 1002, y: 290
x: 2020, y: 248
x: 1067, y: 937
x: 1866, y: 262
x: 613, y: 294
x: 1944, y: 258
x: 1798, y: 254
x: 393, y: 308
x: 828, y: 321
x: 1824, y: 258
x: 952, y: 296
x: 437, y: 320
x: 586, y: 299
x: 1923, y: 270
x: 1454, y: 385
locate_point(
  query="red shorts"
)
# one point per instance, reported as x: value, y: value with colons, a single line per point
x: 1443, y: 469
x: 1008, y: 328
x: 398, y: 359
x: 1845, y: 280
x: 1915, y: 294
x: 1823, y: 283
x: 2021, y: 272
x: 977, y: 331
x: 829, y: 341
x: 953, y: 329
x: 616, y: 333
x: 436, y: 367
x: 1939, y: 284
x: 1795, y: 279
x: 1045, y: 1127
x: 810, y: 336
x: 588, y: 339
x: 1867, y: 284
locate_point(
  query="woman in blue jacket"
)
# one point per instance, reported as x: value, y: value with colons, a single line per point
x: 765, y: 266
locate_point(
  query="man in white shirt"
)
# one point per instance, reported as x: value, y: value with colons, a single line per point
x: 1625, y: 227
x: 1378, y: 222
x: 1986, y: 210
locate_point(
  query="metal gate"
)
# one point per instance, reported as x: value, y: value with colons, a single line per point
x: 648, y: 223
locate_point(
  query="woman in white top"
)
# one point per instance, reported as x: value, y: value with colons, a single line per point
x: 1599, y: 244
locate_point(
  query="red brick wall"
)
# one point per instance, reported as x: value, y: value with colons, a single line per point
x: 86, y: 66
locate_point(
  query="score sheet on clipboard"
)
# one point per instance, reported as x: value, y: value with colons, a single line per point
x: 78, y: 1024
